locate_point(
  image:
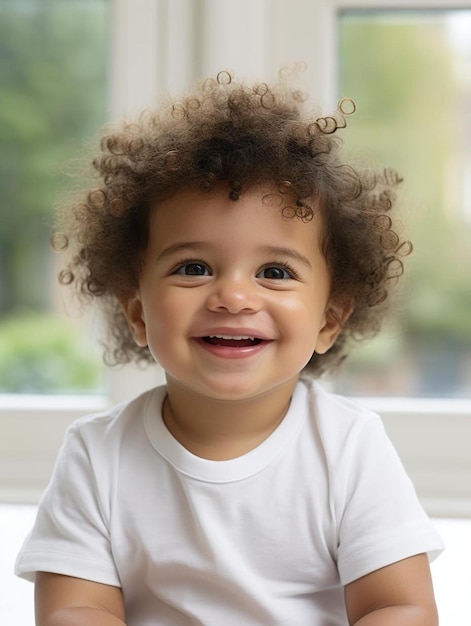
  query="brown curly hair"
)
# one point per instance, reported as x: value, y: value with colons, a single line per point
x: 242, y: 135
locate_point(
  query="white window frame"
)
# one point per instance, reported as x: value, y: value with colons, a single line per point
x: 163, y: 45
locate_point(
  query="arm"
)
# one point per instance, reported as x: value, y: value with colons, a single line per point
x: 400, y: 594
x: 66, y: 601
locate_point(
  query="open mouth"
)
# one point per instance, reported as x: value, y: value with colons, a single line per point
x: 232, y: 342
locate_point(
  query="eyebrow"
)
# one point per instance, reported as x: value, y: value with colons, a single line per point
x: 287, y: 252
x: 180, y: 247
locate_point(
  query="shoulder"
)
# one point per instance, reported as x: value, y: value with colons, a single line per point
x: 352, y: 438
x: 119, y: 415
x: 334, y: 413
x: 96, y: 446
x: 123, y: 421
x: 379, y: 519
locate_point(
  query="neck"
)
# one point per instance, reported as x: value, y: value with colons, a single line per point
x: 223, y: 429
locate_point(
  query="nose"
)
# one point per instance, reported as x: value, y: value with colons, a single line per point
x: 234, y: 295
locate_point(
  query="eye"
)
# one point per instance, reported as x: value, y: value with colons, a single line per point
x: 277, y: 272
x: 193, y: 268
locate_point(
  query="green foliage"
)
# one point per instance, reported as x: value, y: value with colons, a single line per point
x: 53, y: 78
x: 42, y: 353
x: 402, y: 76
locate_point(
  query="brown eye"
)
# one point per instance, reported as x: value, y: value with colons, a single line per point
x: 193, y: 269
x: 274, y: 273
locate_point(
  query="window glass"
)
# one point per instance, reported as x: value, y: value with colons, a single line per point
x: 53, y: 87
x: 409, y: 73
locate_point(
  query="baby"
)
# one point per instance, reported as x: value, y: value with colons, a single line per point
x: 228, y: 241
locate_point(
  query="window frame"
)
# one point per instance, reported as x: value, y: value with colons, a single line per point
x: 432, y: 436
x: 151, y: 51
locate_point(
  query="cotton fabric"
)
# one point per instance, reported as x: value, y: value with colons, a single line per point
x: 270, y: 537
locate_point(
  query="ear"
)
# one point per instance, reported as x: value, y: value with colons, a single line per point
x: 133, y: 312
x: 335, y: 316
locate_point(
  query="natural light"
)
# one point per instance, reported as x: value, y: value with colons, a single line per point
x: 67, y: 67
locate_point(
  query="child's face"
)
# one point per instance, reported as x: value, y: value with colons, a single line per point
x: 233, y: 297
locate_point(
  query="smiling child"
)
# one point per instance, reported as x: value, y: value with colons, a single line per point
x: 228, y: 241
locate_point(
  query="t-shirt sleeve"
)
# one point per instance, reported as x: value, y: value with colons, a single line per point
x: 380, y: 519
x: 71, y: 532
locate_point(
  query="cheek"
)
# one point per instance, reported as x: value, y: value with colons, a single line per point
x: 161, y: 330
x: 301, y: 321
x: 165, y: 313
x: 303, y: 312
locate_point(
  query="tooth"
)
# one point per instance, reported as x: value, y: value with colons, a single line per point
x: 239, y: 337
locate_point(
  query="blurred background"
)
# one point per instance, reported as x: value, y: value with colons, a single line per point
x: 53, y: 97
x: 410, y: 75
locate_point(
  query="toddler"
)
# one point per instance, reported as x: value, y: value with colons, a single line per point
x: 227, y: 240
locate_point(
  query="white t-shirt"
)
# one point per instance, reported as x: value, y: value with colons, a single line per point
x: 270, y: 537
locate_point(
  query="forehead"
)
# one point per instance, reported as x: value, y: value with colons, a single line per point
x: 261, y: 212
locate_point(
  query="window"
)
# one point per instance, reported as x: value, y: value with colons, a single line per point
x: 406, y: 65
x: 409, y: 74
x: 155, y: 46
x: 53, y: 76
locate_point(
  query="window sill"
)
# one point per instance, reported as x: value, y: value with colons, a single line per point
x: 431, y: 436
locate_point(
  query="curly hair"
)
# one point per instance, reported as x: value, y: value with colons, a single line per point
x: 226, y: 131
